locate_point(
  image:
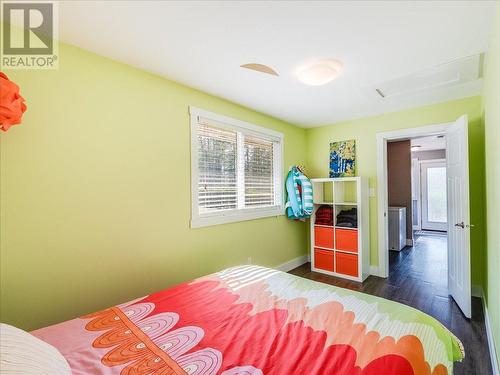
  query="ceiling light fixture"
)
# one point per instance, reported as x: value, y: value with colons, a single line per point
x: 320, y: 72
x: 415, y: 148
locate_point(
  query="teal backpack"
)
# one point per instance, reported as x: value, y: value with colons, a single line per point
x: 299, y: 204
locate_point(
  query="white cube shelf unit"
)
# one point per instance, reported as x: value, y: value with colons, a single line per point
x: 336, y: 249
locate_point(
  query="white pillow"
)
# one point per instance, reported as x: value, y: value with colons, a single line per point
x: 23, y: 353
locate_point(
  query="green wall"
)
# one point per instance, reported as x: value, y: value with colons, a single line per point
x: 95, y: 192
x: 364, y: 131
x: 491, y: 117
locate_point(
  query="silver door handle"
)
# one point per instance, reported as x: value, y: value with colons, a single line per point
x: 462, y: 225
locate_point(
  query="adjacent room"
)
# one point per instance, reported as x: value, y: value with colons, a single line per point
x: 417, y: 216
x: 249, y: 187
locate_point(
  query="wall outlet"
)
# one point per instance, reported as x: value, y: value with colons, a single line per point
x: 249, y: 260
x: 372, y: 192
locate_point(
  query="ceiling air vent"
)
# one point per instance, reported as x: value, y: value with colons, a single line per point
x: 449, y: 74
x: 260, y: 68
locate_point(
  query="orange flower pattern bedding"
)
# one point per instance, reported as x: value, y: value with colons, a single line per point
x: 252, y: 320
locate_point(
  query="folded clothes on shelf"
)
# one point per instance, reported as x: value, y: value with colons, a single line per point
x: 348, y: 218
x: 324, y: 215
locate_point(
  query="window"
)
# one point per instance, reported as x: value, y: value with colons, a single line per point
x: 437, y: 210
x: 236, y: 170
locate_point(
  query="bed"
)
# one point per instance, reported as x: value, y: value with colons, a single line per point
x: 251, y: 320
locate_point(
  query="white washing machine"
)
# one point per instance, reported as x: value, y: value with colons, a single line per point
x: 397, y: 228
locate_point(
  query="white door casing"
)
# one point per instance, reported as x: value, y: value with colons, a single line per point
x: 382, y: 191
x: 457, y: 163
x: 415, y: 194
x: 459, y: 258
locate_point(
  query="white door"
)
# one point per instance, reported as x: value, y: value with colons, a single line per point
x: 433, y: 188
x: 457, y: 161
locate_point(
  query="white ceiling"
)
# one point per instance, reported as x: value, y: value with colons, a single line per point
x: 202, y: 44
x: 429, y: 143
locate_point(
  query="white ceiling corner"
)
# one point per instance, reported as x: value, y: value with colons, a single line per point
x: 203, y: 43
x: 429, y: 143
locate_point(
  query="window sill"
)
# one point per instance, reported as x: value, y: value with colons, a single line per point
x: 226, y: 218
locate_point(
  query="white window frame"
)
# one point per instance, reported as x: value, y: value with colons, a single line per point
x: 230, y: 216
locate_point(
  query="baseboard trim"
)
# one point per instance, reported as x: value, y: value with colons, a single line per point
x: 296, y: 262
x: 409, y: 242
x: 491, y: 341
x: 374, y: 270
x: 293, y: 263
x: 476, y: 291
x: 489, y: 332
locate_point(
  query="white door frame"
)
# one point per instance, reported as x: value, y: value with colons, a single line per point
x: 423, y: 199
x: 382, y: 195
x: 415, y: 192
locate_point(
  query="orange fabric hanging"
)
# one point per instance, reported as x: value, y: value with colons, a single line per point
x: 12, y: 104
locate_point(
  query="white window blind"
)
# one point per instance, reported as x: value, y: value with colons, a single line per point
x: 217, y: 161
x: 259, y: 173
x: 236, y: 170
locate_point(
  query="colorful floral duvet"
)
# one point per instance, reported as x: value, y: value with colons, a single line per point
x: 251, y: 320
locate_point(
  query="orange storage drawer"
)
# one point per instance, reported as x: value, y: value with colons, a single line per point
x: 323, y: 259
x: 323, y: 237
x: 346, y: 264
x: 347, y: 240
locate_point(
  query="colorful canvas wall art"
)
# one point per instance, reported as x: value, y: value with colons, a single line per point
x: 343, y: 158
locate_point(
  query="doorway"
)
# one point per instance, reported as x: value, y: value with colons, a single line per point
x: 457, y: 200
x: 416, y: 174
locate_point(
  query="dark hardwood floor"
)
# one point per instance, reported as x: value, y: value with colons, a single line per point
x: 418, y: 278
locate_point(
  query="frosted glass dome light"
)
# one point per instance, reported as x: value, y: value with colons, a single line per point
x: 320, y: 72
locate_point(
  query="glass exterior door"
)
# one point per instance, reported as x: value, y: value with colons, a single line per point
x: 434, y: 200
